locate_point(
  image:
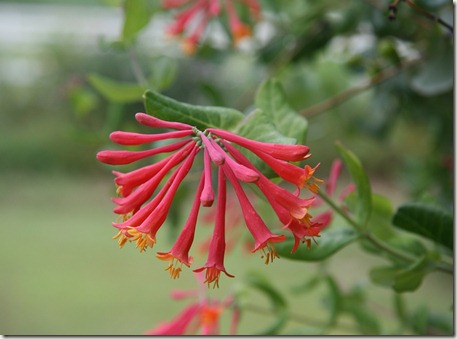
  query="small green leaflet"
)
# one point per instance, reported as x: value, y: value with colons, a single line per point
x: 362, y: 184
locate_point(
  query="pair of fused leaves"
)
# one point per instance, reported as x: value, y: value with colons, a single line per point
x: 273, y: 120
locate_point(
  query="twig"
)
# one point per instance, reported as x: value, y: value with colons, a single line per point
x: 383, y: 246
x: 136, y: 68
x: 428, y: 15
x: 353, y: 91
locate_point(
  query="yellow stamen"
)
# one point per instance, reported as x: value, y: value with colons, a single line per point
x: 143, y: 240
x: 124, y: 217
x: 308, y: 241
x: 175, y: 268
x: 122, y: 238
x: 212, y: 276
x: 118, y: 190
x: 269, y: 253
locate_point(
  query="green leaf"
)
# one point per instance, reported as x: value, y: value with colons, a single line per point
x: 137, y: 14
x: 115, y: 91
x: 428, y: 221
x: 362, y: 184
x: 401, y: 279
x: 330, y: 242
x: 201, y: 117
x: 271, y: 99
x: 278, y: 302
x: 258, y: 126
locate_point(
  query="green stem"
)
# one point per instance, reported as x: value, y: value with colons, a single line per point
x: 298, y: 318
x: 136, y: 68
x: 338, y: 210
x: 440, y: 266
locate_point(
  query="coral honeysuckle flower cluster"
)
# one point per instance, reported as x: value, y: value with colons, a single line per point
x: 143, y: 206
x: 193, y: 19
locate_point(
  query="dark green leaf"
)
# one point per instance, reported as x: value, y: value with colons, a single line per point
x: 137, y: 14
x: 362, y: 184
x: 329, y: 243
x: 201, y: 117
x: 278, y: 302
x: 428, y: 221
x: 116, y: 91
x: 271, y: 99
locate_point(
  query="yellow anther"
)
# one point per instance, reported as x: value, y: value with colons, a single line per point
x: 212, y: 277
x: 174, y: 268
x: 269, y: 253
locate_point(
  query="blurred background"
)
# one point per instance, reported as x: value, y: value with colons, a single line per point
x: 62, y: 274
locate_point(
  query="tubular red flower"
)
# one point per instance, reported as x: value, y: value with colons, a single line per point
x: 298, y: 208
x: 173, y: 3
x: 237, y: 28
x: 127, y: 157
x: 192, y: 21
x: 263, y: 237
x: 209, y: 319
x: 241, y: 172
x: 145, y: 190
x: 137, y: 218
x: 215, y: 263
x: 128, y: 181
x: 179, y: 253
x: 150, y: 121
x: 278, y: 151
x: 130, y: 138
x: 207, y: 196
x: 335, y: 172
x: 291, y: 210
x: 180, y: 324
x: 216, y: 155
x: 155, y: 220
